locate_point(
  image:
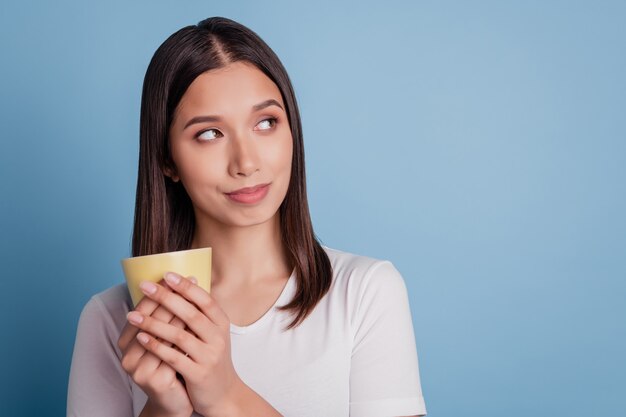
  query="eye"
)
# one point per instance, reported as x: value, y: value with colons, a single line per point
x: 208, y: 135
x: 265, y: 122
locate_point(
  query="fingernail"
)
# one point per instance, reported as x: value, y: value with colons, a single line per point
x: 134, y: 317
x: 148, y: 287
x: 142, y: 337
x: 172, y: 278
x: 194, y: 280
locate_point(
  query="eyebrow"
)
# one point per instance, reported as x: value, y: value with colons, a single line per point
x: 256, y: 107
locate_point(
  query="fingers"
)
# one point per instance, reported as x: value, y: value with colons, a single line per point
x: 148, y: 370
x: 168, y: 333
x: 134, y: 355
x: 193, y: 294
x: 133, y: 352
x: 174, y: 358
x: 142, y: 365
x: 146, y: 306
x: 199, y: 297
x: 195, y: 318
x: 146, y: 363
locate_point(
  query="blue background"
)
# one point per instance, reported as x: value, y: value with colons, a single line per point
x: 479, y: 146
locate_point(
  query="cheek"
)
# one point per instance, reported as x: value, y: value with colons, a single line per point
x: 202, y: 168
x: 280, y: 155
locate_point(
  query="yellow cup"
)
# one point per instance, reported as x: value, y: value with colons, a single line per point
x: 191, y: 262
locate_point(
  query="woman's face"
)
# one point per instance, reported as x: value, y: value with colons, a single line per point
x: 245, y: 142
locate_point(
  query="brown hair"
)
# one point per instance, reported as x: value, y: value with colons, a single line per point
x: 164, y: 217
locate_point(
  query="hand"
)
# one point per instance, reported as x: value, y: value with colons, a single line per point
x: 209, y: 374
x: 166, y: 394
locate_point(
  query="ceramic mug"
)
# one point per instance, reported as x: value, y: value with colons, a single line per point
x: 191, y: 262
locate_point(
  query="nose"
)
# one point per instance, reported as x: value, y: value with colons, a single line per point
x: 244, y: 156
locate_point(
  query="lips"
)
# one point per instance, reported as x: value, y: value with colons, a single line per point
x: 248, y: 190
x: 249, y: 196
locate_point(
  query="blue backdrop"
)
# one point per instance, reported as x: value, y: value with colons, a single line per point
x: 479, y: 146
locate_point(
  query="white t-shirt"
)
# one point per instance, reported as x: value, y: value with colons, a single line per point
x: 354, y: 355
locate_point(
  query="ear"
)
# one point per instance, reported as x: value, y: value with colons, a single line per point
x: 168, y: 171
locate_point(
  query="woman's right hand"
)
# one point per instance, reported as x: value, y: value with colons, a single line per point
x: 166, y: 394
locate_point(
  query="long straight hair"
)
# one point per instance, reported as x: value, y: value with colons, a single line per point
x: 164, y: 217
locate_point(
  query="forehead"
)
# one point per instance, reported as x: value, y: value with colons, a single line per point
x: 235, y: 87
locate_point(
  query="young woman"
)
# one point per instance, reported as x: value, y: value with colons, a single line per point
x: 290, y: 327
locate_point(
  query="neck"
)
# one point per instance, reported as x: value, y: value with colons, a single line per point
x: 244, y: 256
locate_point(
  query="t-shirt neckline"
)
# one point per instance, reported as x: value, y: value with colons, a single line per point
x: 281, y: 300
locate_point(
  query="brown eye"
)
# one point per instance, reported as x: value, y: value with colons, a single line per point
x: 266, y: 123
x: 208, y: 135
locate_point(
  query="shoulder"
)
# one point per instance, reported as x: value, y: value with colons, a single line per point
x: 360, y: 275
x: 107, y: 309
x: 343, y: 261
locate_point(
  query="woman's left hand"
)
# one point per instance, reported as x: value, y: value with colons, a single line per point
x: 205, y: 361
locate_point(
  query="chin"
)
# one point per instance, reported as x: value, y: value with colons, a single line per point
x: 251, y: 217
